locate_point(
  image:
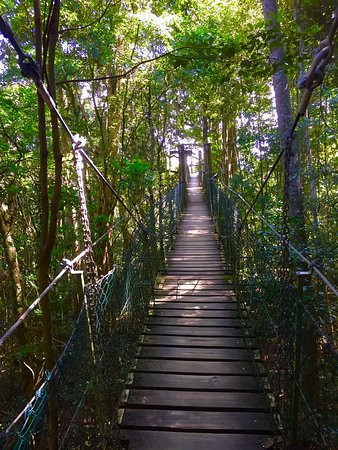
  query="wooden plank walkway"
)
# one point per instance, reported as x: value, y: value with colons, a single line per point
x: 194, y: 386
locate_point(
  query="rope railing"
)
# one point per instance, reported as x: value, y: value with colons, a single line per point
x: 67, y: 266
x: 292, y: 319
x: 117, y: 315
x: 311, y: 264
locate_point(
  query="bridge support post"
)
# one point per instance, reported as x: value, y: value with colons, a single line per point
x: 207, y: 160
x: 182, y: 163
x: 200, y: 166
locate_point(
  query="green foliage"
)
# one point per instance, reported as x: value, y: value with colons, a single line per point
x: 134, y: 174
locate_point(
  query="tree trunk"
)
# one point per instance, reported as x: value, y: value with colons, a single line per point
x: 233, y: 165
x: 285, y: 121
x: 15, y: 292
x: 206, y: 147
x: 14, y: 268
x: 49, y: 217
x: 229, y: 150
x: 225, y: 157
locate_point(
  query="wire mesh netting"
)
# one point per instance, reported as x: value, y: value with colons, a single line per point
x: 86, y: 384
x: 293, y: 318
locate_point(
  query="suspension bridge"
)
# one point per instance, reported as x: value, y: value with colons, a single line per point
x: 204, y: 335
x: 194, y: 385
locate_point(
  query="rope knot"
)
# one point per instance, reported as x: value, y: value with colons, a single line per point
x: 29, y: 68
x: 79, y: 142
x: 315, y: 75
x: 66, y: 263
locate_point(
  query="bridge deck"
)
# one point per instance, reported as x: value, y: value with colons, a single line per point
x: 194, y: 386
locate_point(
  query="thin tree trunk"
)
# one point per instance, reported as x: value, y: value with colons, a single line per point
x: 206, y: 147
x: 305, y: 134
x: 48, y: 224
x: 232, y: 149
x: 285, y: 121
x: 225, y: 156
x: 15, y: 292
x: 13, y: 266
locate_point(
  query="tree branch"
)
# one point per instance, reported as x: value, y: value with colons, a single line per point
x: 129, y: 71
x: 66, y: 30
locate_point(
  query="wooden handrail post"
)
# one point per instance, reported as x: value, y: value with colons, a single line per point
x: 207, y: 160
x: 182, y: 163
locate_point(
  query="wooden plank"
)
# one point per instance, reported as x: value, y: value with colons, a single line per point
x: 196, y: 293
x: 195, y: 270
x: 205, y: 298
x: 189, y: 237
x: 195, y: 353
x: 196, y: 382
x: 198, y: 420
x: 186, y: 238
x: 222, y: 277
x: 200, y: 250
x: 189, y: 322
x: 194, y: 341
x: 185, y: 286
x: 194, y: 331
x: 212, y: 248
x: 209, y: 284
x: 212, y: 267
x: 195, y: 367
x: 170, y: 440
x: 195, y: 258
x: 190, y: 225
x: 194, y: 243
x: 181, y: 305
x: 192, y: 272
x: 193, y: 313
x: 191, y: 228
x: 214, y: 256
x: 198, y: 290
x: 192, y: 264
x: 196, y: 400
x: 198, y: 278
x: 189, y: 241
x: 192, y: 253
x: 196, y: 300
x: 194, y: 267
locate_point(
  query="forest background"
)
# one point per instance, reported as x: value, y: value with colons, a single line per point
x: 135, y: 78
